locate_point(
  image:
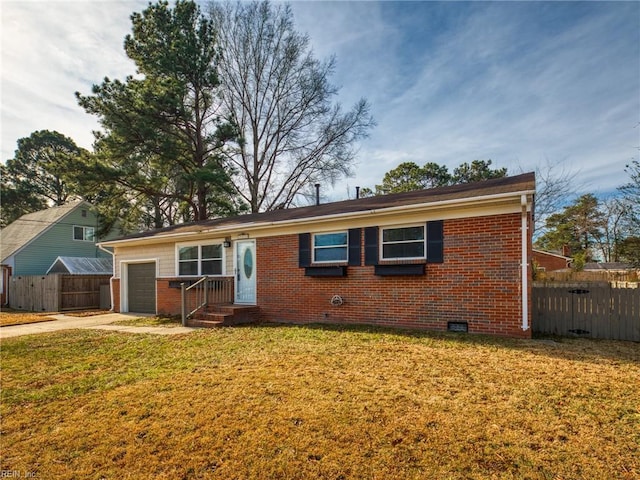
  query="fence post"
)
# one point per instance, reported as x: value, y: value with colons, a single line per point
x: 183, y: 295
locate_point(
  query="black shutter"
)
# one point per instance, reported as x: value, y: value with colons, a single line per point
x: 435, y: 241
x: 354, y: 246
x: 304, y: 250
x: 371, y: 246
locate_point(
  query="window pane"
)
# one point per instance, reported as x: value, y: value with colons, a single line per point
x: 78, y: 233
x: 188, y: 253
x: 89, y: 234
x: 247, y: 262
x: 329, y: 239
x: 188, y: 268
x: 334, y: 254
x: 402, y: 234
x: 211, y: 267
x: 212, y: 251
x: 403, y: 250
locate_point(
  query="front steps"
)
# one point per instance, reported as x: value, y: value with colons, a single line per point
x: 224, y: 316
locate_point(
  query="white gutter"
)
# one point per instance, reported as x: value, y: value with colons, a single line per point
x: 525, y: 264
x: 328, y: 218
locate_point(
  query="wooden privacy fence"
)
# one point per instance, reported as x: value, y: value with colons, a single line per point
x: 607, y: 310
x: 59, y: 292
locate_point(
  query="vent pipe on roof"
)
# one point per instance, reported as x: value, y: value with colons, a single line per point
x: 357, y: 192
x: 317, y: 194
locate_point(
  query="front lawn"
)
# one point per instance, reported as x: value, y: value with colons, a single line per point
x: 9, y: 316
x: 152, y: 321
x: 20, y: 317
x: 265, y: 402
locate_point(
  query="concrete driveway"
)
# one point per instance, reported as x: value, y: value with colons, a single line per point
x: 95, y: 322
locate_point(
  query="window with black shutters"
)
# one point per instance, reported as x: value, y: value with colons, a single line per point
x: 403, y: 243
x: 330, y: 247
x: 329, y: 254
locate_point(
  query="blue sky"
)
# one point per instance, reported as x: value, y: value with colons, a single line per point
x: 524, y: 84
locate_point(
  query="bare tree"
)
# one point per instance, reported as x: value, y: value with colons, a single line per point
x: 555, y: 189
x: 631, y: 192
x: 616, y: 212
x: 291, y: 133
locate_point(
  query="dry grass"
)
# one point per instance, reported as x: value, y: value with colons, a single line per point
x: 20, y: 317
x: 10, y: 316
x: 153, y: 321
x: 86, y: 313
x: 309, y: 402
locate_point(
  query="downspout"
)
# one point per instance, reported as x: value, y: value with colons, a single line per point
x: 525, y: 264
x: 113, y: 273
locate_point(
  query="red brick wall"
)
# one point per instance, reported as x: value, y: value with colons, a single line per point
x: 115, y: 291
x: 479, y: 283
x: 168, y: 299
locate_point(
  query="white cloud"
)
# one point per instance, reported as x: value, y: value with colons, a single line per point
x: 516, y: 82
x: 50, y: 50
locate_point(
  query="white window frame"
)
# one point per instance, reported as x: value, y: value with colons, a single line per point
x: 84, y: 233
x: 395, y: 227
x: 199, y: 245
x: 313, y: 247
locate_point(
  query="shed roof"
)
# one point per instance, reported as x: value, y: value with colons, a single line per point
x: 487, y: 188
x: 28, y: 227
x: 602, y: 266
x: 82, y: 266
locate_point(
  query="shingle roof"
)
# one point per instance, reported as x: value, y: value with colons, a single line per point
x: 22, y: 231
x: 518, y: 183
x: 82, y: 266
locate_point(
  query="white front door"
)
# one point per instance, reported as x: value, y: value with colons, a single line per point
x: 245, y: 272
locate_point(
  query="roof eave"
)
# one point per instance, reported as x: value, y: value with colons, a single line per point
x: 257, y: 226
x: 552, y: 254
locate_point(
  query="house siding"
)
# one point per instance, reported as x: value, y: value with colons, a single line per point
x: 168, y: 297
x: 36, y: 257
x: 165, y: 255
x: 478, y: 282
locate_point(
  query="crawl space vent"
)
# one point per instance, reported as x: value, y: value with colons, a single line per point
x: 457, y: 327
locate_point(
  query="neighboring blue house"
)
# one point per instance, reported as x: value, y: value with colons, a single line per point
x: 31, y: 244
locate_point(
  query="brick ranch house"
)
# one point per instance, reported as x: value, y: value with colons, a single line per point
x: 454, y: 258
x: 551, y: 262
